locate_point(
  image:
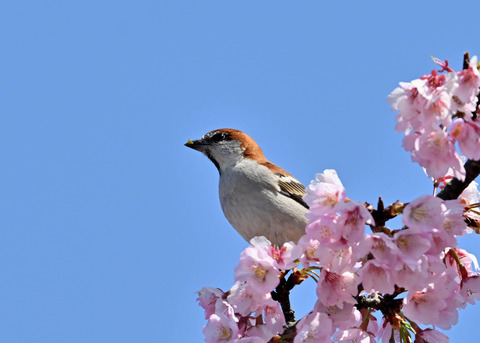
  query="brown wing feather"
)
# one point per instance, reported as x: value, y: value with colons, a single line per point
x: 289, y: 186
x: 293, y: 189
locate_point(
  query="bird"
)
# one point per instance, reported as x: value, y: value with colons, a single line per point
x: 257, y: 197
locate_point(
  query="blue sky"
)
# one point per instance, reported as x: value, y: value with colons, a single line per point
x: 109, y: 225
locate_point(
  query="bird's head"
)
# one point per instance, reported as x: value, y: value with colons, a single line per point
x: 226, y: 147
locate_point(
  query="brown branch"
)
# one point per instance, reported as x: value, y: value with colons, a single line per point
x: 466, y: 60
x: 282, y: 293
x: 455, y: 187
x: 383, y: 214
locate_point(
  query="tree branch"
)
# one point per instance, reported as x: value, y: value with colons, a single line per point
x: 456, y: 187
x: 282, y: 295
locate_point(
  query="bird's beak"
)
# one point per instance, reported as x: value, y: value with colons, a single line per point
x: 195, y: 145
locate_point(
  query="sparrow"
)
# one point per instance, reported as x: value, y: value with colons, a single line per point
x: 258, y: 198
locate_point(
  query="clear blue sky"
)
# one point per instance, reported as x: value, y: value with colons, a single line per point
x: 109, y: 225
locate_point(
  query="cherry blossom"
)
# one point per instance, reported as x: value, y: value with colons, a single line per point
x: 258, y: 269
x: 379, y: 245
x: 208, y: 298
x: 352, y: 220
x: 436, y: 304
x: 376, y: 276
x: 316, y: 327
x: 424, y: 306
x: 354, y: 335
x: 431, y: 336
x: 467, y: 134
x: 343, y: 316
x: 454, y: 221
x: 435, y: 151
x: 273, y: 317
x: 424, y: 213
x: 325, y: 192
x: 470, y: 289
x: 468, y: 84
x: 245, y: 300
x: 250, y: 340
x: 426, y: 108
x: 220, y: 329
x: 464, y: 263
x: 410, y: 102
x: 411, y: 247
x: 336, y: 289
x: 284, y: 257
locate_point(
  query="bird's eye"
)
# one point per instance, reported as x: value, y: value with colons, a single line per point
x: 219, y: 136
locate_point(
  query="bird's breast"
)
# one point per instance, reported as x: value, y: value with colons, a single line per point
x: 254, y: 207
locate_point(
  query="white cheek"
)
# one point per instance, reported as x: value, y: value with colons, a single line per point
x: 227, y: 154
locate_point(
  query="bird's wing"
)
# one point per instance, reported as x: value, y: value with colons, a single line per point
x: 292, y: 188
x: 289, y: 186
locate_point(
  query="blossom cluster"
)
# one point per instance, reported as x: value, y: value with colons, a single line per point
x: 435, y: 112
x: 421, y: 262
x: 247, y: 313
x: 422, y: 259
x: 373, y: 283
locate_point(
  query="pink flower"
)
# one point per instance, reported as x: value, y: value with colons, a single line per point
x: 430, y: 102
x: 412, y: 246
x: 424, y: 306
x: 250, y: 340
x: 273, y: 321
x: 424, y: 102
x: 316, y: 327
x: 410, y: 102
x: 431, y: 336
x: 468, y: 84
x: 435, y: 151
x: 325, y: 192
x: 284, y: 256
x: 246, y: 300
x: 273, y: 317
x: 352, y: 220
x: 337, y: 258
x: 413, y: 277
x: 409, y: 142
x: 258, y: 330
x: 309, y: 246
x: 258, y: 269
x: 375, y: 277
x: 439, y: 104
x: 354, y: 335
x: 323, y: 228
x: 440, y: 240
x: 336, y: 289
x: 380, y: 245
x: 470, y: 289
x: 399, y: 261
x: 468, y: 262
x: 467, y: 134
x: 220, y: 329
x: 343, y: 316
x: 454, y: 222
x: 436, y: 304
x: 208, y: 298
x: 424, y: 213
